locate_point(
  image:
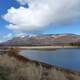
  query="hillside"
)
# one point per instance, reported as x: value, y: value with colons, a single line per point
x: 46, y: 39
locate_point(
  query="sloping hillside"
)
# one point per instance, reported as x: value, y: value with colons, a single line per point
x: 48, y: 39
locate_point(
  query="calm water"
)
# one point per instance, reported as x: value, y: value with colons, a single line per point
x: 66, y: 58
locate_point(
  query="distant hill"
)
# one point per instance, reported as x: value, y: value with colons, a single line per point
x: 45, y: 39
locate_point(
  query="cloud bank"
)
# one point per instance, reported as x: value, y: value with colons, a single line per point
x: 22, y: 2
x: 6, y: 37
x: 42, y: 13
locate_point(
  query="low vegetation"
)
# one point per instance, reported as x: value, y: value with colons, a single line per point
x: 12, y: 68
x: 75, y: 44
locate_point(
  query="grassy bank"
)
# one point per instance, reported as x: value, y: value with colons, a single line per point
x: 13, y: 67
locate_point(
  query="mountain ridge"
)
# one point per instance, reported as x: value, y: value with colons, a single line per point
x: 43, y: 39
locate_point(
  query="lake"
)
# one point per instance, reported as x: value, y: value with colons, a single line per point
x: 66, y: 58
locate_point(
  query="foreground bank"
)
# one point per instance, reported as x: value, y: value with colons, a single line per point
x: 17, y: 67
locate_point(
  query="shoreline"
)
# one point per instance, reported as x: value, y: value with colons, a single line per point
x: 46, y: 47
x: 12, y: 57
x: 25, y: 68
x: 39, y: 47
x: 15, y: 53
x: 45, y: 65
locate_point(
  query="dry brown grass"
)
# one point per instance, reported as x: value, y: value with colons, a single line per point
x: 13, y: 69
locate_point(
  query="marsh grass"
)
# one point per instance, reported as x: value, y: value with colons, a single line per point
x: 12, y: 68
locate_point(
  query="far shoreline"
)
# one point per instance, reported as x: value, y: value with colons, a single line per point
x: 45, y: 47
x: 39, y: 47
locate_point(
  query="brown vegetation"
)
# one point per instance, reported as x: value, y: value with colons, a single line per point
x: 16, y: 67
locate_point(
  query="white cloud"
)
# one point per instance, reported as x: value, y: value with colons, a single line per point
x: 9, y: 35
x: 6, y: 37
x: 41, y: 13
x: 23, y: 2
x: 20, y: 34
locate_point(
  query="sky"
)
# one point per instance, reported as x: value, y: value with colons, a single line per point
x: 22, y: 17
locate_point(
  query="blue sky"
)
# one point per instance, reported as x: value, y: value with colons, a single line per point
x: 4, y: 5
x: 72, y: 27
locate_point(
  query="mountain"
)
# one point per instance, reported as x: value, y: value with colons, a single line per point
x: 45, y: 39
